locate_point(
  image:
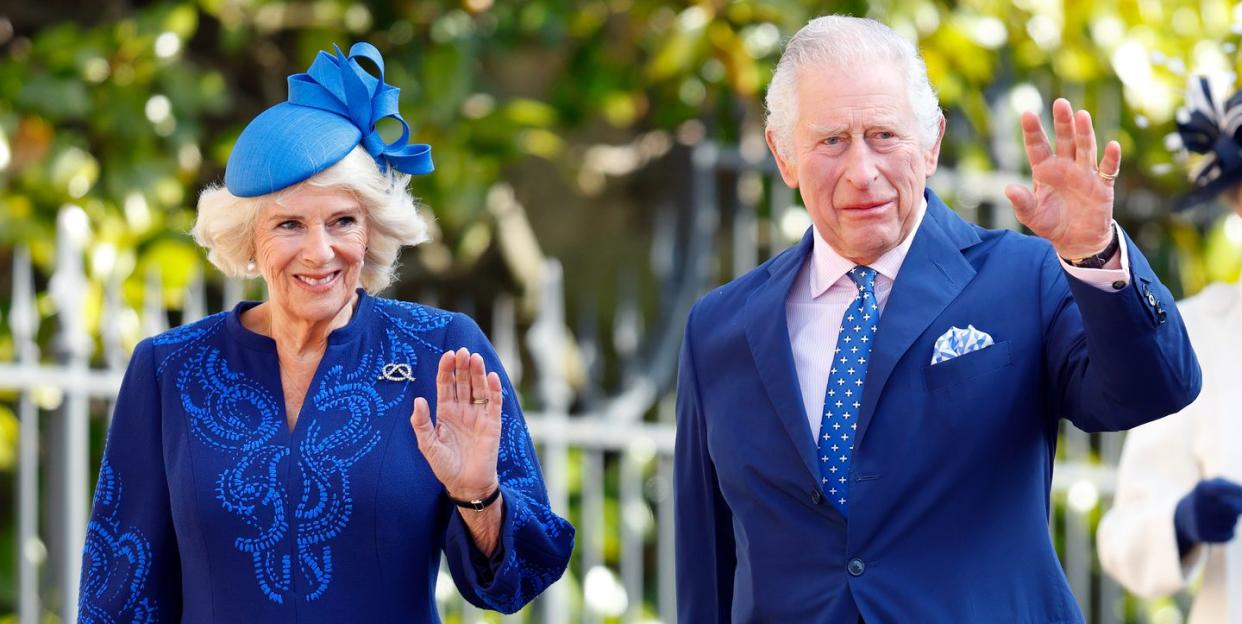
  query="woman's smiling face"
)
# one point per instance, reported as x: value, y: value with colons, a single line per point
x: 309, y: 247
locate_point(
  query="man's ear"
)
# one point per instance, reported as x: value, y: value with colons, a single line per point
x: 789, y: 173
x: 932, y: 155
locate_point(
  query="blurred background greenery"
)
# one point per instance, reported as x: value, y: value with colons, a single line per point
x: 127, y: 109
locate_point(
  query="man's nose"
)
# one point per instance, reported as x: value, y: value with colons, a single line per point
x: 860, y: 165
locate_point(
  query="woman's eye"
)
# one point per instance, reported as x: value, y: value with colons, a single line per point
x: 346, y: 221
x: 288, y: 225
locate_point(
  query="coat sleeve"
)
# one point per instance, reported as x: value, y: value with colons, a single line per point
x: 535, y: 543
x: 706, y: 554
x: 1115, y: 360
x: 131, y: 568
x: 1136, y: 539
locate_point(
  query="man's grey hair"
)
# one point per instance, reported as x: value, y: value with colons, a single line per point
x: 839, y: 40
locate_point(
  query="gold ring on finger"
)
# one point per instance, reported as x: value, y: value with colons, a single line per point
x: 1107, y: 176
x: 479, y: 401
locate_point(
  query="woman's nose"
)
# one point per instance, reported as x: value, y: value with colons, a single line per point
x: 317, y: 247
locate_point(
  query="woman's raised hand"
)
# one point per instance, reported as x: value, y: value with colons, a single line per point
x: 463, y: 444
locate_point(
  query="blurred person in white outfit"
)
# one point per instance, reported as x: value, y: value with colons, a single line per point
x: 1179, y: 488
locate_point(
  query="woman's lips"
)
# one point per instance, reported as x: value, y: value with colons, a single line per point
x: 318, y: 282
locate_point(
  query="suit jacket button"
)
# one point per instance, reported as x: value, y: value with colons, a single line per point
x: 1119, y: 284
x: 817, y: 497
x: 856, y: 567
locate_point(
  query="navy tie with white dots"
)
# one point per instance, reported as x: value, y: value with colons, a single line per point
x: 845, y: 385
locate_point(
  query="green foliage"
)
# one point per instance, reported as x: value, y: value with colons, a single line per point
x: 131, y: 115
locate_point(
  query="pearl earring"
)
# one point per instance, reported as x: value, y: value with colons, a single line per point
x: 251, y: 266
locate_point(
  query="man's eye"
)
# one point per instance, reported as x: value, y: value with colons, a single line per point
x: 885, y: 135
x: 832, y: 141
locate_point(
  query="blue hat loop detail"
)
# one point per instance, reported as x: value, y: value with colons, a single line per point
x: 332, y: 108
x: 339, y: 84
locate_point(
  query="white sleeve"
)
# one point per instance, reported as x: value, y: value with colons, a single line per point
x: 1136, y: 539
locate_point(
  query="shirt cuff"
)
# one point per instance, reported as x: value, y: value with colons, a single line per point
x: 1111, y: 280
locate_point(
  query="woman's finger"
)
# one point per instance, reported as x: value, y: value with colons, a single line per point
x: 461, y: 374
x: 445, y: 393
x: 478, y: 380
x: 420, y: 421
x: 495, y: 397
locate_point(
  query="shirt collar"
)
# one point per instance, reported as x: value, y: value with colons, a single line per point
x: 828, y: 266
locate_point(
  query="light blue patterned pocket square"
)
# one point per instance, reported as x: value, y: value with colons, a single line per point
x: 959, y: 341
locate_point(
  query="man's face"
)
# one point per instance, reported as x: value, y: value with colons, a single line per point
x: 856, y: 158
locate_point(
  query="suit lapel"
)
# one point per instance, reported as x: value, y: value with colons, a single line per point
x: 932, y: 275
x: 768, y: 336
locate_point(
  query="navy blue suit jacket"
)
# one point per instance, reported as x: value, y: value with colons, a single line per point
x: 950, y: 477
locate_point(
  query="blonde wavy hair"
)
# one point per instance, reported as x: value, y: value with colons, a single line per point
x: 226, y: 223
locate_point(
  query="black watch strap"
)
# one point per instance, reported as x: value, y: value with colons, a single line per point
x: 1099, y: 260
x: 478, y: 504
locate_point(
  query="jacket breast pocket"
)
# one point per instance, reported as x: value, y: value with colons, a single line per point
x: 967, y: 366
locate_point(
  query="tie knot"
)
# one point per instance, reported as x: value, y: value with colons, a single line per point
x: 863, y: 276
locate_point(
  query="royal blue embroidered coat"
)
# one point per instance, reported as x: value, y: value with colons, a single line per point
x: 209, y: 509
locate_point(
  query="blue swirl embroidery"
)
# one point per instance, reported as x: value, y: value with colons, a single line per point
x: 410, y: 321
x: 186, y: 336
x: 326, y: 457
x: 116, y: 562
x: 231, y: 413
x: 413, y: 318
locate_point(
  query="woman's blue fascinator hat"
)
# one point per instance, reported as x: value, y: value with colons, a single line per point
x: 332, y: 107
x: 1210, y: 125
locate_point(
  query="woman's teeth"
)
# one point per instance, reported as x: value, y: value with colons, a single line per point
x: 317, y: 281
